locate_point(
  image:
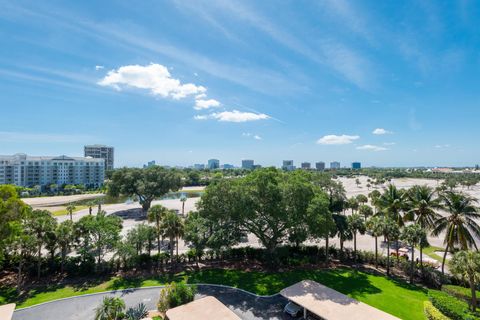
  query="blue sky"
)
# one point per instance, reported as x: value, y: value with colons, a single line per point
x: 387, y: 83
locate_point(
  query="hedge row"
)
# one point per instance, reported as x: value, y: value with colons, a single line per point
x: 432, y: 313
x: 450, y: 306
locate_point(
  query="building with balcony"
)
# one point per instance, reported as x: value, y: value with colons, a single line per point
x: 29, y: 171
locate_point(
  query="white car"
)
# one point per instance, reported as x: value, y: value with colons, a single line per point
x: 292, y: 309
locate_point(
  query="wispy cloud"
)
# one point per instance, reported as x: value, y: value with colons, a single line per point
x: 251, y: 135
x: 234, y: 116
x: 442, y: 146
x: 206, y: 104
x: 337, y: 139
x: 370, y: 147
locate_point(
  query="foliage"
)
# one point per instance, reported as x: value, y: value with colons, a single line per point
x: 146, y: 184
x: 459, y: 291
x: 111, y: 309
x: 175, y: 294
x: 432, y: 313
x: 450, y: 306
x: 136, y: 313
x: 466, y: 265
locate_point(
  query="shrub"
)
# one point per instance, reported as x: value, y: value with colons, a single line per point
x: 175, y: 294
x: 136, y: 313
x: 459, y: 292
x: 432, y: 313
x: 450, y: 306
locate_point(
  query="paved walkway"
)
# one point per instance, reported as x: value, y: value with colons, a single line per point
x: 247, y: 306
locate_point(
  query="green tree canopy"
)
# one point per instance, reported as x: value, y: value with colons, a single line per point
x: 147, y: 184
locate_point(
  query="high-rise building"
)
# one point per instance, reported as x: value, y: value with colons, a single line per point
x: 28, y: 171
x: 100, y: 151
x: 356, y: 165
x: 199, y: 166
x: 288, y: 165
x: 334, y: 165
x: 248, y: 164
x: 228, y: 166
x: 320, y: 166
x: 149, y: 164
x: 213, y: 164
x: 306, y: 165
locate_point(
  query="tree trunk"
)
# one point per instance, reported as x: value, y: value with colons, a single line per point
x: 355, y: 247
x: 444, y: 258
x: 388, y: 257
x: 62, y: 265
x: 421, y: 259
x: 176, y: 245
x: 376, y: 252
x: 171, y: 249
x: 90, y: 210
x: 412, y: 266
x: 397, y: 244
x: 39, y: 263
x: 146, y: 205
x: 326, y: 250
x: 19, y: 275
x: 474, y: 294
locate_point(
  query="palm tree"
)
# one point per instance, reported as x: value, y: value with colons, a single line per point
x: 70, y: 208
x: 374, y: 226
x: 90, y: 205
x: 183, y: 199
x: 40, y: 225
x: 374, y: 195
x: 392, y: 202
x: 111, y: 309
x: 365, y: 210
x: 466, y: 264
x: 173, y: 228
x: 356, y: 225
x: 459, y: 225
x: 422, y: 204
x: 155, y: 214
x: 414, y: 234
x: 64, y: 235
x: 390, y: 231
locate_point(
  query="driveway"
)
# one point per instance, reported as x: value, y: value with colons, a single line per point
x: 246, y: 305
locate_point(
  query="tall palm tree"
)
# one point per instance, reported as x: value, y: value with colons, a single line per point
x: 392, y: 203
x: 70, y: 208
x: 414, y: 235
x: 375, y: 227
x: 422, y: 205
x: 155, y: 214
x: 356, y: 225
x: 40, y: 225
x: 459, y: 225
x: 173, y: 228
x: 64, y: 236
x: 390, y: 231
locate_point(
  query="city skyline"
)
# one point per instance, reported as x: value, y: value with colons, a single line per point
x: 390, y: 84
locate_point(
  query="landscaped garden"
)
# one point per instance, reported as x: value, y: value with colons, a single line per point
x: 396, y: 297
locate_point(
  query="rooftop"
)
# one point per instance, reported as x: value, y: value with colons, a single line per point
x: 208, y: 308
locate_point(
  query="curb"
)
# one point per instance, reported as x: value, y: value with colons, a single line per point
x: 146, y: 288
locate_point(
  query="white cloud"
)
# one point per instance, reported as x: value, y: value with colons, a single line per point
x: 370, y: 147
x: 442, y: 146
x: 334, y: 139
x: 257, y: 137
x: 205, y: 104
x: 381, y: 131
x: 154, y: 77
x: 234, y: 116
x: 389, y: 143
x: 200, y: 96
x: 99, y: 67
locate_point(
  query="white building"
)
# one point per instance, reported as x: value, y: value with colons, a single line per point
x: 28, y: 171
x: 100, y: 151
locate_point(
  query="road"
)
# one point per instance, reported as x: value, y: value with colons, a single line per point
x: 247, y: 306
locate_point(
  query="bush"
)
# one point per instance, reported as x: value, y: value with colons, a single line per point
x: 450, y: 306
x: 432, y: 313
x: 459, y: 292
x: 175, y: 294
x: 136, y: 313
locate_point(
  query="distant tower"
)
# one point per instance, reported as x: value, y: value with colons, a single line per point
x: 100, y: 151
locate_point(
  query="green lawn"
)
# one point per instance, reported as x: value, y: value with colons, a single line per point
x: 64, y: 211
x: 430, y: 251
x: 395, y: 297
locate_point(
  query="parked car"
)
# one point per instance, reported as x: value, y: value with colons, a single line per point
x: 293, y: 309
